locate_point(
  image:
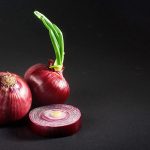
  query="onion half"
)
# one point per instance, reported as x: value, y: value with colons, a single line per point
x: 55, y: 120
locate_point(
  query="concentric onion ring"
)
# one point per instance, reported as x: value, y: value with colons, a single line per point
x: 55, y: 120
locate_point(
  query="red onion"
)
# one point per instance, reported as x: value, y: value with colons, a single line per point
x: 15, y: 97
x: 47, y: 86
x: 55, y: 120
x: 47, y: 83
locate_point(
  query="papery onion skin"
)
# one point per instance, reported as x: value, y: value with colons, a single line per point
x: 47, y: 86
x: 15, y: 101
x: 55, y: 131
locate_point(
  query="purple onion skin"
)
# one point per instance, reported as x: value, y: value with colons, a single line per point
x: 55, y: 131
x: 15, y: 101
x: 47, y: 86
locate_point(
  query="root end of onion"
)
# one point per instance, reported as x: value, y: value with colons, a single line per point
x: 8, y: 80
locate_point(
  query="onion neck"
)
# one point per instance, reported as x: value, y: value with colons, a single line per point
x: 57, y: 40
x: 8, y: 80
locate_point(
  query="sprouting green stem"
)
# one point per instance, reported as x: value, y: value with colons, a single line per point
x: 48, y: 24
x: 56, y: 47
x: 57, y: 40
x: 61, y: 42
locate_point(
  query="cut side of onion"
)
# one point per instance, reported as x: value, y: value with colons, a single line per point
x: 55, y: 120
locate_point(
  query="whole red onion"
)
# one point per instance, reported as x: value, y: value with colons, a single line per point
x: 55, y: 120
x: 15, y: 97
x: 47, y: 86
x: 47, y: 83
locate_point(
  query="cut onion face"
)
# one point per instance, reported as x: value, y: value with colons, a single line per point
x: 55, y: 120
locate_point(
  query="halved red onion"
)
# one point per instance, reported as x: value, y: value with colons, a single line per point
x: 55, y: 120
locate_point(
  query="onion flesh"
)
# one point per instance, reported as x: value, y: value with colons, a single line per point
x: 55, y: 120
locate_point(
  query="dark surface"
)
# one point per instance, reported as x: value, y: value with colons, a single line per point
x: 107, y: 63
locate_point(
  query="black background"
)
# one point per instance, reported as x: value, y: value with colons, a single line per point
x: 107, y: 46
